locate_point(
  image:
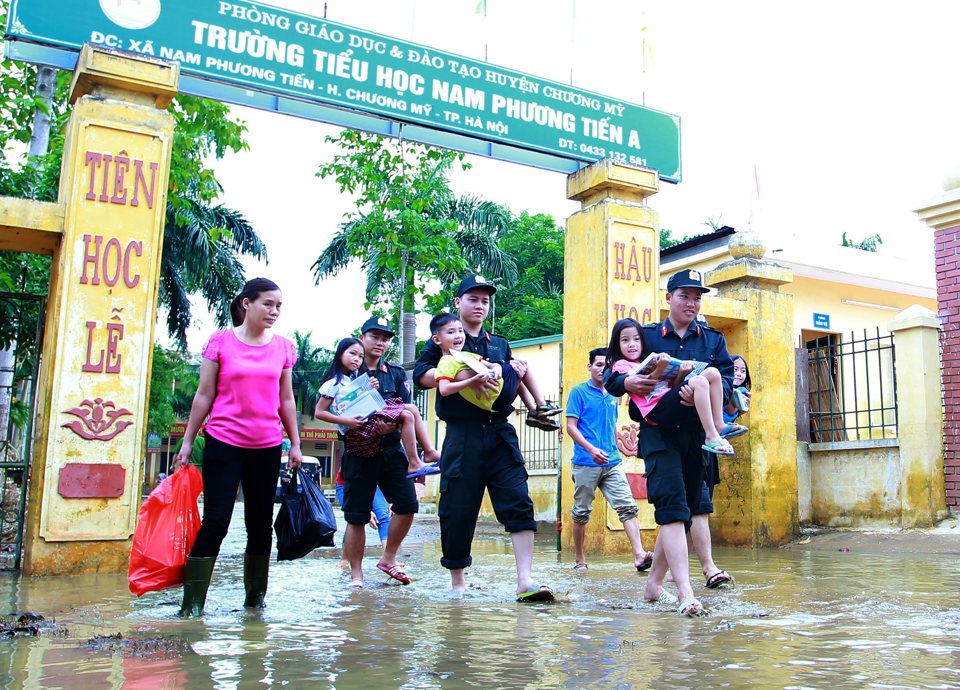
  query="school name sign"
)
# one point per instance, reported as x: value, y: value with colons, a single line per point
x: 275, y: 51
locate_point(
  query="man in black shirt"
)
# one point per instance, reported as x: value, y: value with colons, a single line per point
x: 671, y: 449
x: 480, y: 451
x: 387, y: 469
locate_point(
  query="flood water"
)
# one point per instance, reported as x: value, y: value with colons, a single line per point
x: 796, y: 619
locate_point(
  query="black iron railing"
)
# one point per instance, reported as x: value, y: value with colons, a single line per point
x: 852, y: 388
x: 540, y: 449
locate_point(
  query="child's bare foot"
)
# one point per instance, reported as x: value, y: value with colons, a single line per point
x: 658, y: 595
x: 431, y: 457
x: 414, y: 464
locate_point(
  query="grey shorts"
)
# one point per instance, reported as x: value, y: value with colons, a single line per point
x: 612, y: 483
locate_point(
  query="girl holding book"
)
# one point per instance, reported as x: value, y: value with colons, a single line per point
x: 626, y: 354
x: 360, y: 431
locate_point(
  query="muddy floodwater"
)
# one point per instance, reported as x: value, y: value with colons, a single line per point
x: 804, y: 617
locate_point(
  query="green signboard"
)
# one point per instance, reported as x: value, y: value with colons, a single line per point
x: 255, y: 47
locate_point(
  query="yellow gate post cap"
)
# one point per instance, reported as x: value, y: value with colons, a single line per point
x: 106, y: 71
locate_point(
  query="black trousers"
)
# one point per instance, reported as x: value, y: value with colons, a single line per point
x: 225, y: 469
x: 478, y: 457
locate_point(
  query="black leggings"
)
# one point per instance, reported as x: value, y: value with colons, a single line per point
x: 225, y: 468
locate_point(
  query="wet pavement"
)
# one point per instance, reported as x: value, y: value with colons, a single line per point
x: 833, y: 610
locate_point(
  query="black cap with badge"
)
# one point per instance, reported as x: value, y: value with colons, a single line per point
x: 475, y: 281
x: 686, y: 279
x: 377, y: 323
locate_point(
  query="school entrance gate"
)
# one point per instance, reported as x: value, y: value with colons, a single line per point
x: 106, y: 230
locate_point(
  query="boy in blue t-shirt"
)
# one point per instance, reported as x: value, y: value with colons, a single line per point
x: 591, y: 422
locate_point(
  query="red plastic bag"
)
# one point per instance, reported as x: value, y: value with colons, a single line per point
x: 167, y: 526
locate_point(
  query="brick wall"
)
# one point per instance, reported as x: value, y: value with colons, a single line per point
x: 947, y: 249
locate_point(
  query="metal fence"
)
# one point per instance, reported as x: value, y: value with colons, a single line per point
x: 851, y: 388
x: 540, y: 449
x: 20, y: 340
x: 421, y: 400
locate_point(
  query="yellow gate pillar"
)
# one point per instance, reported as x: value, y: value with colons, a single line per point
x: 757, y: 502
x: 611, y: 271
x: 916, y: 333
x: 91, y: 428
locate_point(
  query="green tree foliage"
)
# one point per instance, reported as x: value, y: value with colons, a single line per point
x: 201, y: 246
x: 407, y: 229
x: 532, y: 306
x: 173, y: 381
x: 867, y: 244
x: 203, y: 241
x: 667, y: 239
x: 312, y: 363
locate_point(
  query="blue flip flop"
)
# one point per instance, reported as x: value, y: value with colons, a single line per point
x: 424, y: 471
x: 731, y: 430
x: 720, y: 447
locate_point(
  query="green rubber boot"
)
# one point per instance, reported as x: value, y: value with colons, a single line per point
x: 196, y: 580
x: 255, y: 575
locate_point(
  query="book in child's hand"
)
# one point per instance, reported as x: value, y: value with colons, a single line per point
x: 363, y: 405
x: 471, y: 360
x: 649, y: 363
x: 357, y: 399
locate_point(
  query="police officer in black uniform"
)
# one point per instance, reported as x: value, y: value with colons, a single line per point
x: 480, y: 451
x: 671, y: 450
x: 387, y: 469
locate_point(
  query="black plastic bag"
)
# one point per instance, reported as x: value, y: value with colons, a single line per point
x: 305, y: 520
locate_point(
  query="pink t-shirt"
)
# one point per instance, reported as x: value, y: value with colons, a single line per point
x: 644, y: 403
x: 246, y: 411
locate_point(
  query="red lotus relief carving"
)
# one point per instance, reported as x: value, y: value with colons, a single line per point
x: 98, y: 420
x: 627, y: 440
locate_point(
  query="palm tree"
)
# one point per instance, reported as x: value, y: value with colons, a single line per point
x: 408, y: 228
x: 201, y: 246
x: 312, y: 362
x: 476, y: 225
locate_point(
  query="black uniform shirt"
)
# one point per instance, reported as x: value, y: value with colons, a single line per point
x: 455, y: 407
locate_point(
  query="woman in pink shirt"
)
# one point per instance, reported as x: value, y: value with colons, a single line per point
x: 245, y: 387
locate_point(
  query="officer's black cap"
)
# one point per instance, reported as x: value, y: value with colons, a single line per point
x: 378, y: 323
x: 475, y: 281
x: 686, y: 279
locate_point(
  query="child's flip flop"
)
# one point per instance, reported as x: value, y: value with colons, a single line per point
x: 423, y: 471
x: 731, y: 430
x: 720, y: 447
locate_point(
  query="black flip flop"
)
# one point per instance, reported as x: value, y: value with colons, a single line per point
x: 721, y: 577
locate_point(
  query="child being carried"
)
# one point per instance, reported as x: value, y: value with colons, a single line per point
x: 457, y: 370
x: 624, y: 357
x: 360, y: 430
